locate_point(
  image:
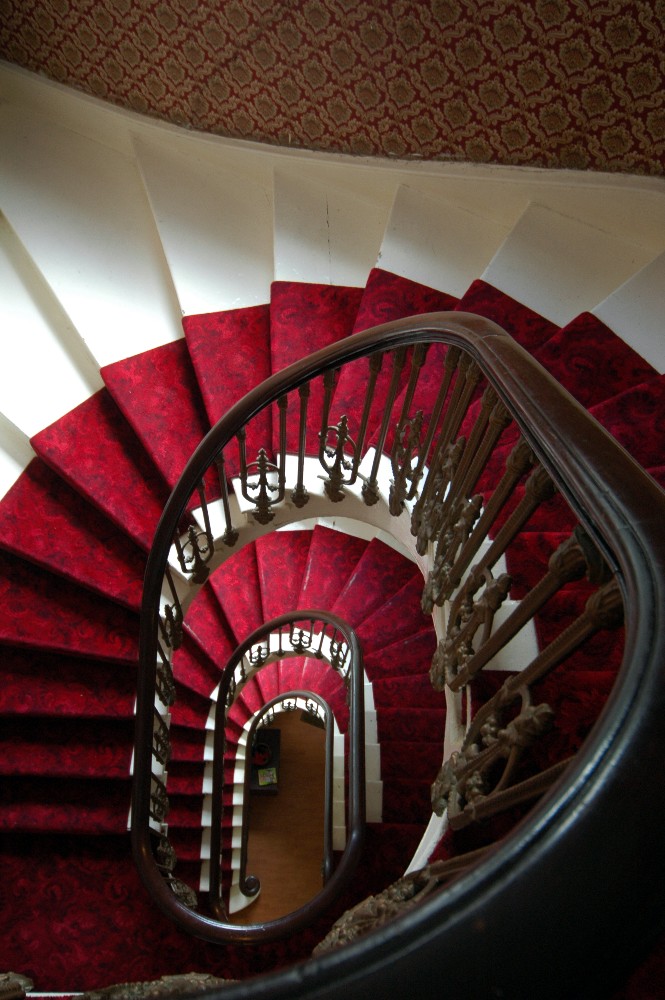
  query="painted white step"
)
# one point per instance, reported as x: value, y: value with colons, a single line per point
x: 81, y: 211
x: 560, y: 266
x: 636, y: 312
x: 45, y: 367
x: 438, y: 242
x: 15, y: 453
x: 329, y: 233
x: 214, y: 214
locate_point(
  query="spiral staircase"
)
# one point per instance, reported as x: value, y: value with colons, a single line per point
x: 117, y: 235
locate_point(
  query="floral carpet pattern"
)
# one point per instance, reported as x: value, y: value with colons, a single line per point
x: 548, y: 83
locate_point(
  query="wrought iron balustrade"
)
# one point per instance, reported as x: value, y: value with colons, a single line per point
x: 467, y: 443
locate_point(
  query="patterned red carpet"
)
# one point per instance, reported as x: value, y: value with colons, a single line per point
x: 74, y: 531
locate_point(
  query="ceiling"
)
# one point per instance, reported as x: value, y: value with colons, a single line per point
x: 549, y: 83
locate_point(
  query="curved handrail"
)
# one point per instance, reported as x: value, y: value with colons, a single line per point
x: 580, y: 825
x: 350, y: 666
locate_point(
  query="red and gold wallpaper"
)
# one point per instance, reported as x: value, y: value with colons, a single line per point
x: 549, y: 83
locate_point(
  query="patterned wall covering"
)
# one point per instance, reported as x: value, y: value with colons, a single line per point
x: 551, y: 83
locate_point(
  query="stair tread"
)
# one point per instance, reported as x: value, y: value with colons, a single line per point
x: 130, y: 491
x: 408, y: 656
x: 69, y: 537
x: 333, y: 556
x: 51, y: 613
x: 573, y: 353
x: 413, y: 691
x: 92, y: 806
x: 410, y: 726
x: 67, y: 747
x: 36, y: 683
x: 206, y: 623
x: 238, y: 590
x: 194, y: 669
x: 305, y: 318
x: 636, y: 418
x: 158, y: 394
x: 400, y: 617
x: 386, y: 297
x: 379, y: 573
x: 524, y: 324
x: 235, y: 342
x: 281, y: 558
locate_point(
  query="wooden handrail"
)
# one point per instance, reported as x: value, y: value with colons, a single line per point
x: 522, y: 888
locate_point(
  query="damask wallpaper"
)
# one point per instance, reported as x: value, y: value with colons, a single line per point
x: 550, y: 83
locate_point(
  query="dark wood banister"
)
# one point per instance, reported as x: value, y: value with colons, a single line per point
x: 522, y: 893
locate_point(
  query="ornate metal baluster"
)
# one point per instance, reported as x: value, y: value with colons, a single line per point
x: 491, y: 421
x: 199, y: 547
x: 450, y: 661
x: 230, y: 536
x: 519, y: 461
x: 370, y: 490
x: 335, y: 460
x: 161, y: 740
x: 568, y: 563
x: 404, y: 459
x: 159, y: 800
x: 164, y: 683
x: 299, y: 495
x: 448, y: 546
x: 427, y: 516
x: 262, y: 488
x: 450, y: 366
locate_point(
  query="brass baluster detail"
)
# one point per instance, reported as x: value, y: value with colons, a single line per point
x: 449, y: 428
x: 165, y: 856
x: 463, y: 784
x: 183, y: 892
x: 161, y: 740
x: 164, y: 682
x: 567, y: 563
x: 300, y: 639
x: 518, y: 463
x: 449, y: 544
x: 334, y: 459
x: 299, y: 495
x: 370, y: 490
x: 171, y: 625
x: 427, y: 516
x: 375, y: 366
x: 406, y: 449
x: 453, y: 654
x: 159, y: 800
x: 262, y: 488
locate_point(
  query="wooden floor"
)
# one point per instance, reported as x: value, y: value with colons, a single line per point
x: 286, y: 829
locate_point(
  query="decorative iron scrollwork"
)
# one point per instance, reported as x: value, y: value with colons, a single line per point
x: 172, y: 625
x: 164, y: 682
x: 159, y: 800
x: 466, y: 618
x: 439, y: 581
x: 183, y: 892
x: 335, y: 441
x: 161, y: 740
x: 428, y: 512
x: 406, y: 461
x: 261, y: 492
x: 468, y: 778
x: 195, y: 553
